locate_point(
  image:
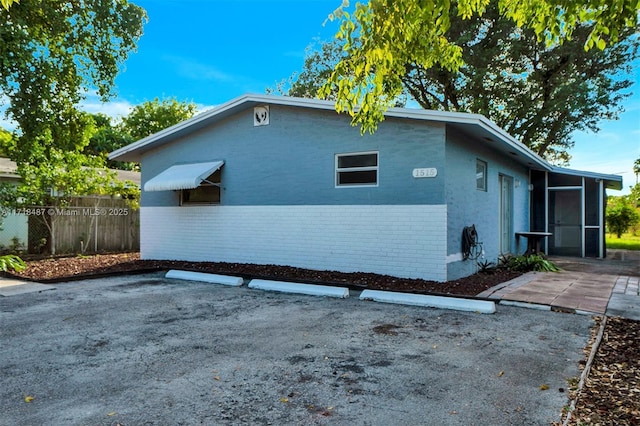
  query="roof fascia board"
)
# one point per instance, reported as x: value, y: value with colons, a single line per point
x: 614, y: 180
x: 472, y: 119
x: 175, y: 128
x: 218, y: 111
x: 9, y: 175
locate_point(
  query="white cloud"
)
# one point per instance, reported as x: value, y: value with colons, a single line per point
x: 5, y: 123
x: 116, y: 110
x: 196, y: 70
x: 94, y: 105
x: 91, y: 104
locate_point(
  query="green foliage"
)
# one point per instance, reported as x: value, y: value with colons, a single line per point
x: 108, y: 138
x: 485, y: 266
x: 621, y: 215
x: 530, y: 262
x: 318, y: 66
x: 153, y: 116
x: 11, y: 262
x: 51, y: 51
x: 55, y: 168
x: 7, y: 3
x: 634, y: 195
x: 51, y: 177
x: 538, y: 94
x: 382, y: 38
x: 5, y: 139
x: 557, y: 89
x: 7, y: 200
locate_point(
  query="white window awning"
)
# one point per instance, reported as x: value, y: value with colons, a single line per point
x: 182, y: 176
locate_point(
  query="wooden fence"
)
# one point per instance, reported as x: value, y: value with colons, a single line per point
x: 89, y: 225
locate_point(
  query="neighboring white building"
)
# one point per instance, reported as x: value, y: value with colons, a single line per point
x: 14, y: 228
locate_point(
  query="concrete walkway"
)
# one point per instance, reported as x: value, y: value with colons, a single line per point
x: 11, y: 287
x: 590, y: 286
x: 625, y: 298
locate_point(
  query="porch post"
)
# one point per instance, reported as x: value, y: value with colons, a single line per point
x: 546, y: 210
x: 602, y: 247
x: 583, y: 207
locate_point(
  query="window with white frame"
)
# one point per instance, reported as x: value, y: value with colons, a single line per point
x: 208, y: 192
x: 481, y: 175
x: 357, y: 169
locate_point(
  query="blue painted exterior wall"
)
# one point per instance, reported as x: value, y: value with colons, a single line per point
x: 291, y: 161
x: 466, y: 205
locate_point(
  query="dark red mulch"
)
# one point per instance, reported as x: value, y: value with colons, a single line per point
x: 63, y: 268
x: 611, y: 394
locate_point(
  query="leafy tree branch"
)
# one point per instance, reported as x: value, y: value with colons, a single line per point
x: 385, y: 38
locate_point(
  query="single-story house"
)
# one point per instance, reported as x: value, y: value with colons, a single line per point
x: 279, y: 180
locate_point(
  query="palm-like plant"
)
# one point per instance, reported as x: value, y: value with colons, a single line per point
x: 11, y: 262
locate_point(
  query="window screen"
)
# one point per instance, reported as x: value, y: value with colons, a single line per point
x: 357, y: 169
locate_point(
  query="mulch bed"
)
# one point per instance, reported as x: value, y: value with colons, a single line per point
x: 611, y: 393
x: 64, y: 268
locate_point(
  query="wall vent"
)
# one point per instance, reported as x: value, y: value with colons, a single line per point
x: 261, y: 115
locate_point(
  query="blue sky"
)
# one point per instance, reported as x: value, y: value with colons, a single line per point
x: 211, y: 51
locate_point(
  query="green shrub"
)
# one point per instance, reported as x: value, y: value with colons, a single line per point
x: 11, y: 262
x: 486, y: 267
x: 531, y: 262
x: 621, y: 215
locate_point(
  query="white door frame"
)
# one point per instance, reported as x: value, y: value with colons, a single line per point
x: 506, y: 214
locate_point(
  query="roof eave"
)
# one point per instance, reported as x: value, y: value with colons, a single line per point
x: 610, y: 181
x: 133, y: 151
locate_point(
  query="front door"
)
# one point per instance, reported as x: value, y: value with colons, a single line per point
x: 565, y: 222
x: 506, y: 213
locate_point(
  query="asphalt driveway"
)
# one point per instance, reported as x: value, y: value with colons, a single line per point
x: 146, y: 350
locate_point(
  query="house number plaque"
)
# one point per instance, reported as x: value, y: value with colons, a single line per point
x: 425, y: 173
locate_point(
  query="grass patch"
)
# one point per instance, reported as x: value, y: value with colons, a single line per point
x: 628, y: 241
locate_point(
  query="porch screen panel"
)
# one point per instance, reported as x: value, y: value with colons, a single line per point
x: 591, y: 242
x: 538, y: 201
x: 556, y: 179
x: 565, y: 223
x: 592, y: 203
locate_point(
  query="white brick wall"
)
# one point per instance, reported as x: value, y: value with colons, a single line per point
x: 399, y: 240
